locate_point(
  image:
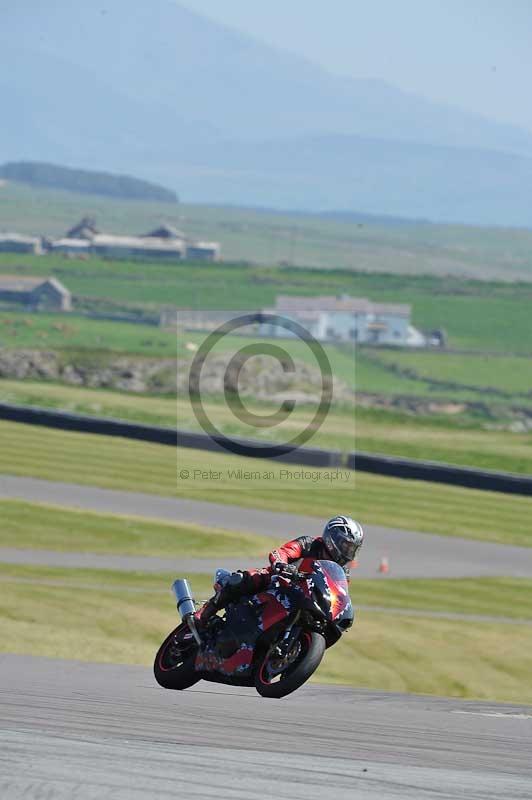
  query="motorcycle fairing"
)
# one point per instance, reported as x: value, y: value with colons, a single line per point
x: 273, y: 606
x: 331, y: 581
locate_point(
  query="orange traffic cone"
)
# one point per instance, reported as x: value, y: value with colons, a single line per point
x: 384, y: 566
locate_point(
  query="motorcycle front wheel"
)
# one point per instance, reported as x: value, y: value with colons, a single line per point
x: 174, y: 663
x: 277, y: 676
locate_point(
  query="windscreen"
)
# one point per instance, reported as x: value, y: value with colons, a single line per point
x: 332, y: 581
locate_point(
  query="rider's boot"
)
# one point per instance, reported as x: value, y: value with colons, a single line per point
x: 207, y: 612
x: 229, y: 591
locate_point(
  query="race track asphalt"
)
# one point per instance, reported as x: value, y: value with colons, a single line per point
x: 410, y: 554
x: 107, y: 732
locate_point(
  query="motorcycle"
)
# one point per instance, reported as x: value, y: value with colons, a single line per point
x: 273, y: 640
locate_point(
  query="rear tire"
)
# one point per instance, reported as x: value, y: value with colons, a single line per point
x: 174, y: 663
x: 296, y: 674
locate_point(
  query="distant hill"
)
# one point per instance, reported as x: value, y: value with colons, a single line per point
x: 155, y: 90
x: 52, y: 176
x: 382, y: 178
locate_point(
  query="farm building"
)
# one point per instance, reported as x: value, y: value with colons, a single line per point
x: 203, y: 251
x: 195, y: 251
x: 165, y: 242
x: 16, y: 243
x: 165, y: 232
x: 347, y: 319
x: 43, y: 294
x: 70, y: 246
x: 85, y: 229
x: 137, y: 247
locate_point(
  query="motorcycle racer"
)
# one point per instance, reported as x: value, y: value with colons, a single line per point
x: 340, y: 541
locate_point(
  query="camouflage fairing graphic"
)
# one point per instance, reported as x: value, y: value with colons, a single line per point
x: 236, y: 664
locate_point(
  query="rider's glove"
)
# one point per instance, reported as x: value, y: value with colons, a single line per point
x: 284, y: 570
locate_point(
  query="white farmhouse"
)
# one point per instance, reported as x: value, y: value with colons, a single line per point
x: 346, y: 319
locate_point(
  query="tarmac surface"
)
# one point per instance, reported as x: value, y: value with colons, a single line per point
x: 108, y: 732
x: 410, y: 554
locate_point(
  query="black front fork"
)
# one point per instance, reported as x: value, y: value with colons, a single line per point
x: 291, y: 635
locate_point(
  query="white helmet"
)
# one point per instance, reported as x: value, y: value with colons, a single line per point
x: 342, y: 536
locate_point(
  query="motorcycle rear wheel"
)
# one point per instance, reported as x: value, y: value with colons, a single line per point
x: 274, y: 683
x: 174, y: 663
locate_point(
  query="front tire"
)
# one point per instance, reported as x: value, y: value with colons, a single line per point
x: 271, y: 681
x: 174, y: 663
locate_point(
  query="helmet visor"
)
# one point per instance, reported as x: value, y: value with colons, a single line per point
x: 347, y: 548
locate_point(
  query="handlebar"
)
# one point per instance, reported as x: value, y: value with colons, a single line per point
x: 294, y: 576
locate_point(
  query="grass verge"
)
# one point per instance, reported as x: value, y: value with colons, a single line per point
x: 117, y: 463
x: 105, y: 616
x: 432, y: 656
x: 31, y: 525
x: 496, y: 597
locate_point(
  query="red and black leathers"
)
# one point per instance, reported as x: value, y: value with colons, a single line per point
x: 303, y: 547
x: 256, y: 580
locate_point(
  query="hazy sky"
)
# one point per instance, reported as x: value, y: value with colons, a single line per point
x: 476, y: 54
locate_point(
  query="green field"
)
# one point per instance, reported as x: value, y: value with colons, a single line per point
x: 271, y: 237
x: 466, y: 377
x: 506, y: 376
x: 80, y: 336
x: 123, y: 617
x: 124, y: 464
x: 449, y: 397
x: 477, y: 315
x: 488, y: 386
x: 493, y: 380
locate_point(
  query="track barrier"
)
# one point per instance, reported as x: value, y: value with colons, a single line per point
x: 437, y: 472
x: 431, y: 471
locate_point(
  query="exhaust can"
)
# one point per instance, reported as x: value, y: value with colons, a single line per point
x: 183, y: 596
